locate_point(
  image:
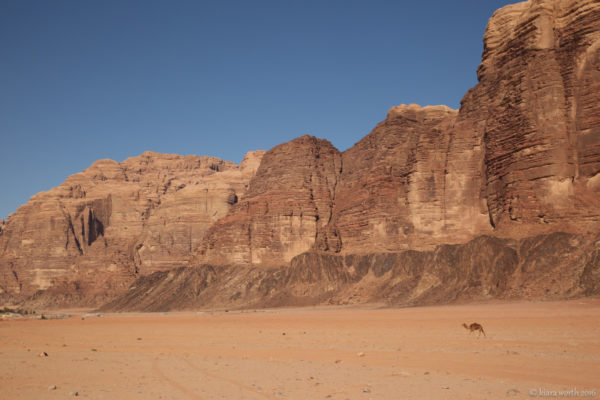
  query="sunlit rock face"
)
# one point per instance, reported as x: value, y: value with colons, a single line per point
x: 106, y: 225
x: 407, y: 184
x: 499, y: 199
x: 288, y: 202
x: 521, y: 157
x: 537, y: 109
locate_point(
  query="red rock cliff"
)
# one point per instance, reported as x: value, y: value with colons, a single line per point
x: 106, y: 225
x: 289, y: 200
x: 520, y: 158
x: 537, y: 108
x: 401, y: 187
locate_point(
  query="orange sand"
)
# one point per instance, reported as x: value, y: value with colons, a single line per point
x: 312, y: 353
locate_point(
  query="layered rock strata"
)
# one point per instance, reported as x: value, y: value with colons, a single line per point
x: 401, y: 187
x: 519, y: 158
x: 434, y: 205
x: 544, y: 267
x: 104, y: 226
x: 289, y: 201
x: 537, y: 107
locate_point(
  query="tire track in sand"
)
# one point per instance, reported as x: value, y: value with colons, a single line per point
x: 228, y: 380
x: 173, y: 382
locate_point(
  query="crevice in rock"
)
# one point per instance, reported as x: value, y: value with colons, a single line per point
x: 250, y: 240
x: 137, y: 258
x: 82, y: 221
x: 167, y: 186
x: 15, y: 274
x: 95, y: 228
x: 72, y: 230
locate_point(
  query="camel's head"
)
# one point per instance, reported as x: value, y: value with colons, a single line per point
x: 465, y: 325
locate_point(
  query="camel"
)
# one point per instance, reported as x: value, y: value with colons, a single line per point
x: 475, y: 327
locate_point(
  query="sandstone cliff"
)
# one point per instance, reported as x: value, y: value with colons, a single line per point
x: 496, y: 200
x: 518, y: 161
x: 537, y: 110
x: 289, y: 200
x: 401, y: 187
x: 521, y: 157
x: 93, y: 235
x: 554, y: 266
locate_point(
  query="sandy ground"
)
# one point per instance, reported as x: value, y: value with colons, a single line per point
x: 313, y: 353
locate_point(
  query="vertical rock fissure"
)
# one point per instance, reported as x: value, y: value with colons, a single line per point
x: 95, y: 228
x: 72, y: 230
x: 444, y: 183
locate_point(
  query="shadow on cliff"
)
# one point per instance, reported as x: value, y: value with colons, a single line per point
x: 545, y: 267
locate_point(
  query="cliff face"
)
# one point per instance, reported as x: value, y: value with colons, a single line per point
x: 289, y: 200
x: 496, y: 200
x: 521, y: 157
x: 105, y: 226
x: 400, y: 188
x: 518, y: 161
x: 537, y: 108
x: 544, y: 267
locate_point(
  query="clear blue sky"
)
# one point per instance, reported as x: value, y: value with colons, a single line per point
x: 86, y: 80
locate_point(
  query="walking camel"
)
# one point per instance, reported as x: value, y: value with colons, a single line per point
x: 475, y: 327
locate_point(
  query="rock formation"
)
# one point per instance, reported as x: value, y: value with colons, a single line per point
x: 499, y: 199
x: 537, y: 109
x: 99, y: 230
x: 401, y: 188
x: 554, y: 266
x: 289, y: 200
x: 521, y: 157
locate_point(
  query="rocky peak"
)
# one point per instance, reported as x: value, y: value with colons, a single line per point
x: 289, y: 200
x: 285, y: 163
x: 252, y: 160
x: 391, y: 194
x: 417, y: 113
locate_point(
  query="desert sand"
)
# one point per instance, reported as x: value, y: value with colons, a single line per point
x: 364, y: 352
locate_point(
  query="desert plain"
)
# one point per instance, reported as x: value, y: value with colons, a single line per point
x: 531, y: 349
